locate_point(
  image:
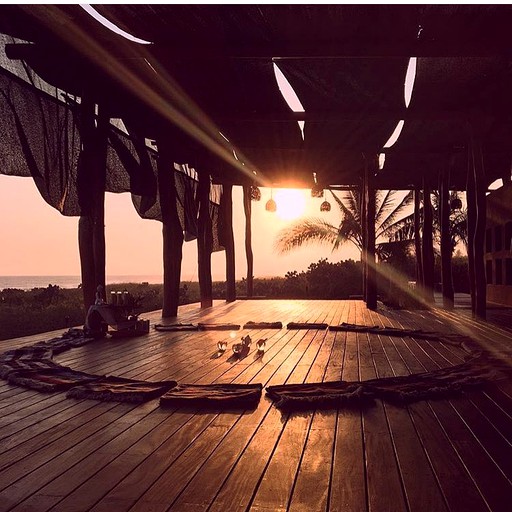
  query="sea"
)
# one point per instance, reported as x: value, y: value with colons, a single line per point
x: 30, y: 282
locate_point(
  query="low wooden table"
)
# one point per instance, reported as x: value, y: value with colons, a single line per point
x: 120, y: 318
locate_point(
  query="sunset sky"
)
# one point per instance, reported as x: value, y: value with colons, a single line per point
x: 37, y: 240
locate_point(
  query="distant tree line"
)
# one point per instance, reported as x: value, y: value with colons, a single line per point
x: 38, y: 310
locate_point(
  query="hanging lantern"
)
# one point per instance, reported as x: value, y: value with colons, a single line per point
x: 325, y: 206
x: 317, y: 192
x: 271, y: 205
x: 456, y: 204
x: 255, y: 193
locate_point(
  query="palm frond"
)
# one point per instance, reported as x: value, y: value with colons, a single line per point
x: 348, y: 230
x: 303, y: 232
x: 346, y: 210
x: 387, y: 225
x: 353, y: 199
x: 386, y: 203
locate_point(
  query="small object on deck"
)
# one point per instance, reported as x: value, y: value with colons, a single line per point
x: 237, y: 348
x: 99, y: 295
x: 306, y: 325
x: 244, y: 396
x: 120, y: 317
x: 222, y: 346
x: 263, y: 325
x: 261, y: 345
x: 176, y: 327
x: 246, y: 340
x: 218, y: 327
x: 140, y: 327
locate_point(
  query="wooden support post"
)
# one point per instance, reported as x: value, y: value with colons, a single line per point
x: 417, y: 240
x: 364, y: 238
x: 91, y: 198
x: 480, y: 224
x: 446, y: 239
x: 248, y: 240
x: 229, y: 241
x: 471, y: 202
x: 371, y: 269
x: 428, y: 245
x: 172, y: 232
x: 204, y: 241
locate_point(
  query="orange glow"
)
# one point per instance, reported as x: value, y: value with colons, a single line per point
x: 291, y: 203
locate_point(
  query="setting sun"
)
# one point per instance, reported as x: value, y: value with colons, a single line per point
x: 291, y: 203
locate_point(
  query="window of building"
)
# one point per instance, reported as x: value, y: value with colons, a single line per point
x: 499, y: 272
x: 508, y: 236
x: 488, y: 240
x: 508, y: 271
x: 488, y: 271
x: 498, y: 238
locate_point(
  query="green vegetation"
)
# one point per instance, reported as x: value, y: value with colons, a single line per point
x: 45, y: 309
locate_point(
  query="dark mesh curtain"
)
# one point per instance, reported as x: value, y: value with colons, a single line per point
x: 39, y: 138
x: 186, y: 189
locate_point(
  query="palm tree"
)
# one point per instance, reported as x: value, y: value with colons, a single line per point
x: 315, y: 230
x: 404, y: 228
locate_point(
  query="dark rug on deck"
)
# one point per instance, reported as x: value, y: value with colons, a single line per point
x: 306, y: 325
x: 218, y: 327
x: 118, y: 389
x: 70, y: 339
x: 244, y: 396
x: 176, y: 327
x: 50, y: 379
x: 30, y: 353
x: 478, y: 370
x: 263, y: 325
x: 388, y: 331
x: 16, y: 365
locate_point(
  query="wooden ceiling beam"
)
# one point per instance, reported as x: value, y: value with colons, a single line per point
x: 340, y: 50
x: 312, y: 50
x: 370, y: 114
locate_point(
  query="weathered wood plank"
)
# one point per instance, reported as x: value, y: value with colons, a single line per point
x: 65, y: 455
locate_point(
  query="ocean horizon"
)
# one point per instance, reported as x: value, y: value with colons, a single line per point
x: 30, y: 282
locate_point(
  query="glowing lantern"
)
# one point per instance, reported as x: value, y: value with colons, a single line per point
x: 271, y: 205
x: 317, y: 192
x: 325, y: 206
x: 456, y: 204
x: 255, y: 193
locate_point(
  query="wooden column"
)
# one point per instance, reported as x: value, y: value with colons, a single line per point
x: 480, y: 224
x: 471, y: 202
x: 172, y: 232
x: 364, y: 238
x: 204, y: 241
x: 91, y: 197
x: 229, y: 240
x: 428, y: 245
x: 248, y: 240
x: 371, y: 271
x: 417, y: 240
x: 446, y: 239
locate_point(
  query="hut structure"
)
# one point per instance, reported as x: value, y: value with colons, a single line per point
x: 190, y: 107
x: 365, y: 410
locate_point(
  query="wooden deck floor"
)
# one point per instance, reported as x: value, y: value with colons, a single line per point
x: 63, y: 454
